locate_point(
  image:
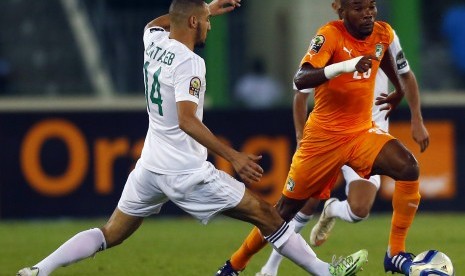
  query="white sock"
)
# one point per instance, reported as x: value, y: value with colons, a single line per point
x: 341, y: 209
x: 293, y: 246
x: 81, y: 246
x: 300, y: 220
x: 272, y: 265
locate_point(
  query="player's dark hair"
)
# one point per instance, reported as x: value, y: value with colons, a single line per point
x: 344, y: 3
x: 180, y: 9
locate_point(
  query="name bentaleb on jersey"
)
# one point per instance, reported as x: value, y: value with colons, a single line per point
x: 159, y: 54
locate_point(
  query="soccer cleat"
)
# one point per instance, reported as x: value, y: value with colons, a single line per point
x: 28, y: 271
x: 349, y: 265
x: 227, y: 270
x: 322, y: 229
x: 399, y: 263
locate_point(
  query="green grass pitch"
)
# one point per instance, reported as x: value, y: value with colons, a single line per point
x: 183, y: 246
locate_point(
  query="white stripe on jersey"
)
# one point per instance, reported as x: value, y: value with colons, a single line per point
x: 172, y: 73
x: 382, y: 83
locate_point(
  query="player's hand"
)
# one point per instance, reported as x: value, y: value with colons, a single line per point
x: 218, y: 7
x: 365, y: 63
x: 391, y: 101
x: 420, y: 134
x: 247, y: 168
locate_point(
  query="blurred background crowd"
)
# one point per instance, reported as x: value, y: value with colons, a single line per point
x: 62, y: 48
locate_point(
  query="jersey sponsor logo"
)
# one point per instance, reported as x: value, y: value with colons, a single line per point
x: 347, y: 50
x: 290, y: 185
x: 379, y: 50
x: 317, y: 43
x: 194, y: 87
x: 401, y: 61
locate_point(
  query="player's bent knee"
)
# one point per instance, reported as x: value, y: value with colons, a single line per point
x: 411, y: 171
x: 408, y: 169
x: 362, y: 212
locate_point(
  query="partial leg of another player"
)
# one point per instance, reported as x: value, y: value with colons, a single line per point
x: 361, y: 195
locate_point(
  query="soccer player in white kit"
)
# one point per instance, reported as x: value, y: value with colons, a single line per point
x: 360, y: 192
x: 173, y: 165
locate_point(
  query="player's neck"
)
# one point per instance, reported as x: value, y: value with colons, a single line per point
x: 354, y: 33
x: 183, y: 37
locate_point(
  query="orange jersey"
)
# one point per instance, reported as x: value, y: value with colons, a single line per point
x: 344, y: 103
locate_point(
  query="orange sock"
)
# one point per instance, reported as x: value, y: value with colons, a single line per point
x: 405, y: 203
x: 252, y: 244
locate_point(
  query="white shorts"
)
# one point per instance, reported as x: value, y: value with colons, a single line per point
x: 350, y: 175
x: 202, y: 194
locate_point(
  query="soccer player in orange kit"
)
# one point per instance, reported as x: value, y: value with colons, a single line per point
x: 341, y: 64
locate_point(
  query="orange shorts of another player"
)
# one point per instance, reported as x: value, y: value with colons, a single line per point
x: 316, y: 164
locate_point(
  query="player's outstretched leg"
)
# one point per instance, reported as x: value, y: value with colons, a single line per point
x: 300, y: 220
x: 79, y: 247
x: 322, y: 229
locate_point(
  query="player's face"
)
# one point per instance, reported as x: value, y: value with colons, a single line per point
x: 203, y: 26
x: 359, y: 17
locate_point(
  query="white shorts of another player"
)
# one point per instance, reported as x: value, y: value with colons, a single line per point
x: 350, y: 175
x: 202, y: 194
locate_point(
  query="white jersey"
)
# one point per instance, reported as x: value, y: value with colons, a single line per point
x: 172, y: 73
x: 382, y: 81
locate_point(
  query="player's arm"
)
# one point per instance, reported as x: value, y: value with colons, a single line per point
x: 216, y: 7
x: 315, y: 68
x: 309, y: 77
x: 244, y: 164
x: 412, y: 95
x: 405, y: 84
x: 162, y: 21
x: 300, y: 111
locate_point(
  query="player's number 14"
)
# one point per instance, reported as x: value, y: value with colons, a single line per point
x: 155, y: 89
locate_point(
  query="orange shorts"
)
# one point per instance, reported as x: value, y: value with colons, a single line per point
x: 316, y: 164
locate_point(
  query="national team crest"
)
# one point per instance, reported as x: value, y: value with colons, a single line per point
x: 379, y: 50
x: 194, y: 87
x: 317, y: 43
x: 290, y: 185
